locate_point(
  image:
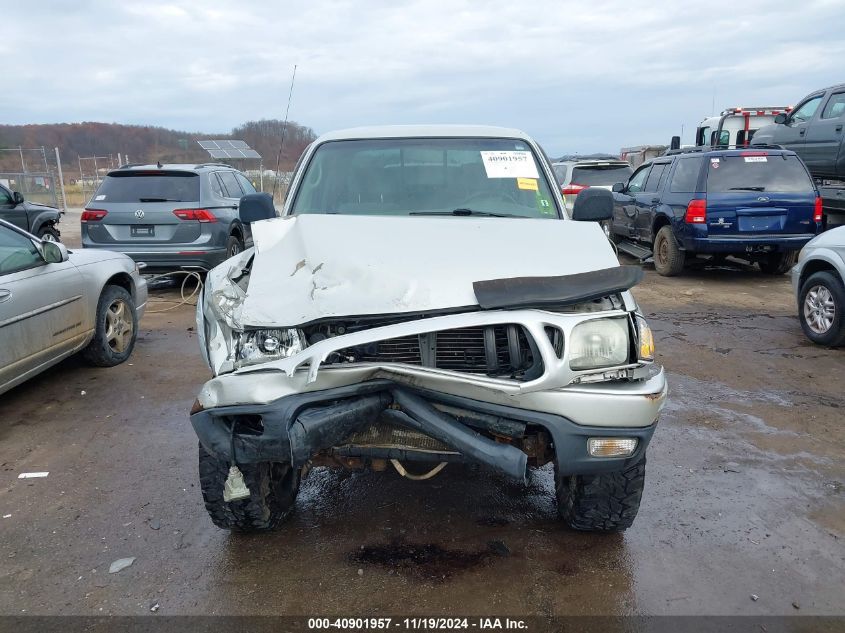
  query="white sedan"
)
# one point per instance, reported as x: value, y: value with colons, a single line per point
x: 54, y: 303
x: 819, y: 282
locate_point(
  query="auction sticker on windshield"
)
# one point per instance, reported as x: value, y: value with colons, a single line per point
x: 509, y: 164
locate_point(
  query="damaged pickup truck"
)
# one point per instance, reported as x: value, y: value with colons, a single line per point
x: 425, y: 299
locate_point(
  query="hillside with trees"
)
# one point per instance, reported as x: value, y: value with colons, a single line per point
x: 146, y: 144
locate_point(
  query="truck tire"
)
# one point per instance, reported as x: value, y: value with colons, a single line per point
x: 48, y: 233
x: 821, y: 292
x: 607, y: 502
x: 778, y: 263
x: 273, y: 487
x: 116, y: 328
x: 668, y: 257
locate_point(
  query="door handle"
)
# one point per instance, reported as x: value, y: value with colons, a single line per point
x: 839, y: 128
x: 801, y: 132
x: 5, y: 295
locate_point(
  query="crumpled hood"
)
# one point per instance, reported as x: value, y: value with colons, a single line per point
x: 310, y: 267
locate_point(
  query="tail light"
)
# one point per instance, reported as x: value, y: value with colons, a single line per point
x: 199, y: 215
x: 696, y: 212
x: 572, y: 189
x: 817, y: 210
x: 93, y: 215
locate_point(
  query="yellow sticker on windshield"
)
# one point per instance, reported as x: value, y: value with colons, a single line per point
x: 529, y: 184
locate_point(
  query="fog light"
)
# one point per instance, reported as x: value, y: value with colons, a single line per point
x: 611, y: 446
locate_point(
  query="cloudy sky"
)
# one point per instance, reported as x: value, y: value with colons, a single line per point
x: 578, y: 76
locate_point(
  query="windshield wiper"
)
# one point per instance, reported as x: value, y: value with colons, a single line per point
x: 747, y: 189
x: 466, y: 212
x: 159, y: 200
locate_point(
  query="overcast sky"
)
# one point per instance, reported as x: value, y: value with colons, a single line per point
x: 578, y: 76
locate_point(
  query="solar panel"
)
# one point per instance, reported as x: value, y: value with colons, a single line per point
x: 224, y: 148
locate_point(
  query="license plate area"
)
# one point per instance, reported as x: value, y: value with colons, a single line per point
x: 142, y: 230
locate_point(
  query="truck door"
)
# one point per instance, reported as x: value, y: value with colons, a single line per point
x: 792, y: 134
x: 645, y: 202
x: 824, y: 137
x: 11, y: 211
x: 624, y: 207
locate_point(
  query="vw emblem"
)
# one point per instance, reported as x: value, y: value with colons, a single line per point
x: 762, y: 199
x: 139, y: 214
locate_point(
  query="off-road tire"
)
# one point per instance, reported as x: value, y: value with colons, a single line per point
x: 835, y: 334
x: 273, y: 487
x: 778, y: 263
x: 49, y: 233
x: 607, y: 502
x: 668, y: 256
x: 107, y: 349
x: 234, y: 245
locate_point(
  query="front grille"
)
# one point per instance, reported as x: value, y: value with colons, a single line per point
x: 496, y: 350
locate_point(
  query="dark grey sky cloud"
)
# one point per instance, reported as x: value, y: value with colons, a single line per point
x: 580, y: 77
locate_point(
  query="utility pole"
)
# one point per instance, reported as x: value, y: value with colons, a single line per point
x: 61, y: 179
x: 23, y: 164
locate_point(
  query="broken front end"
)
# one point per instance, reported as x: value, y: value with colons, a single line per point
x: 542, y: 369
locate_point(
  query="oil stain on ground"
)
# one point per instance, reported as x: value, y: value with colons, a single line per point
x: 426, y: 561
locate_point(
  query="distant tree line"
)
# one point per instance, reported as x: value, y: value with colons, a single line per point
x: 147, y: 144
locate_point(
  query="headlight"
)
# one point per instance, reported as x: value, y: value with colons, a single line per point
x: 645, y: 350
x: 260, y: 346
x: 599, y: 343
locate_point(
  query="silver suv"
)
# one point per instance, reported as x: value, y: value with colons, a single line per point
x: 576, y: 175
x: 169, y: 217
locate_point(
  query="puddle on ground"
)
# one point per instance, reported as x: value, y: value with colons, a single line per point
x: 426, y: 561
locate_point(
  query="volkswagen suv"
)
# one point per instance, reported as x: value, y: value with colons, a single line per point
x: 169, y: 217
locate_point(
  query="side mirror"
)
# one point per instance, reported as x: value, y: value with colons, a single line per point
x: 255, y: 207
x: 54, y: 252
x: 593, y: 205
x: 675, y: 143
x: 618, y: 187
x: 17, y: 197
x: 780, y: 119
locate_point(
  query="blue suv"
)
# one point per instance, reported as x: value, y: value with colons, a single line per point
x: 758, y: 204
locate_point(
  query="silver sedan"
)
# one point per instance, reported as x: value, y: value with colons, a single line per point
x: 819, y: 282
x: 54, y: 303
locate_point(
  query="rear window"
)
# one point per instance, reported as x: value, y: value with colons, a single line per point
x: 757, y: 173
x: 601, y: 174
x: 153, y: 186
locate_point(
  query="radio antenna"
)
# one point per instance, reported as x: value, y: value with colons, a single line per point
x: 284, y: 129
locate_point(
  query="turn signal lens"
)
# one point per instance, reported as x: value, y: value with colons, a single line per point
x: 611, y: 446
x: 645, y: 350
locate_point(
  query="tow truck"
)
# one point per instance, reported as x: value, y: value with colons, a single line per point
x: 735, y: 127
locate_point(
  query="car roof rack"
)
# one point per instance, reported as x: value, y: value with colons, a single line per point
x: 198, y: 165
x: 717, y: 148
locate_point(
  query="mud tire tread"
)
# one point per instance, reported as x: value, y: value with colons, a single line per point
x: 273, y: 487
x: 607, y: 502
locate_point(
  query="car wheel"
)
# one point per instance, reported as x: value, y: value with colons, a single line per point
x: 607, y: 502
x: 234, y: 245
x: 116, y: 329
x: 778, y: 263
x: 668, y: 257
x: 273, y: 487
x: 821, y: 309
x: 48, y: 234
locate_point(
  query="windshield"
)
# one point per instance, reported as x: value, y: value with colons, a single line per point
x: 426, y: 176
x: 155, y: 186
x: 758, y: 172
x: 601, y: 174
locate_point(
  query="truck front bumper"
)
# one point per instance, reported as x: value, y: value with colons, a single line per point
x: 295, y: 420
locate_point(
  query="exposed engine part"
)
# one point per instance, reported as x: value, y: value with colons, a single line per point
x: 431, y: 473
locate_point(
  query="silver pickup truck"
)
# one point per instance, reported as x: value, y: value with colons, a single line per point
x: 425, y: 299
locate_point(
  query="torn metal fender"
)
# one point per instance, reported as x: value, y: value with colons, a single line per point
x: 524, y: 292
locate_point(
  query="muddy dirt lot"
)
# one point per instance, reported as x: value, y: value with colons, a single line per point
x: 745, y: 492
